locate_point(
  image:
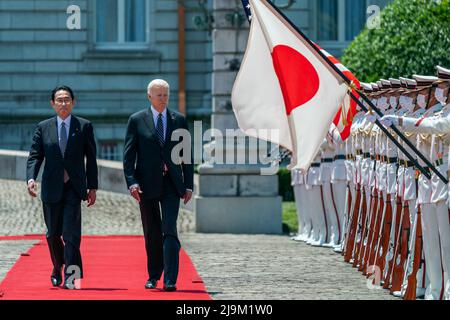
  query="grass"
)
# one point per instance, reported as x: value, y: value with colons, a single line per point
x: 289, y: 217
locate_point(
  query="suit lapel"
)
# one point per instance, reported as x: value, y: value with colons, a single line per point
x: 170, y: 126
x: 53, y: 135
x: 148, y: 119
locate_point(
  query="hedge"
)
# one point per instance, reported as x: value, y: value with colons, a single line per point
x: 414, y: 37
x: 285, y: 189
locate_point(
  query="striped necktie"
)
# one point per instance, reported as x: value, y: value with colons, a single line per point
x: 160, y: 129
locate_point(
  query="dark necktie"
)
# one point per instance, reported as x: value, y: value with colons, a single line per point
x: 160, y: 129
x: 62, y: 146
x: 63, y: 138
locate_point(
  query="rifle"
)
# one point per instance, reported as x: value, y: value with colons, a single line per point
x: 375, y: 241
x: 324, y: 214
x: 353, y: 225
x: 410, y: 293
x: 385, y: 231
x: 348, y: 213
x: 399, y: 268
x: 390, y: 266
x: 358, y: 249
x: 373, y: 213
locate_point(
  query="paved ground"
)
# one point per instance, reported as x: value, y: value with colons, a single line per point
x: 232, y: 266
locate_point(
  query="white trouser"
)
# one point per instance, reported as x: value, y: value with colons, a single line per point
x: 340, y: 198
x: 412, y: 215
x: 444, y: 234
x: 379, y: 250
x: 431, y: 245
x: 302, y: 204
x: 348, y: 209
x: 331, y: 215
x: 361, y: 221
x: 420, y: 277
x: 316, y: 214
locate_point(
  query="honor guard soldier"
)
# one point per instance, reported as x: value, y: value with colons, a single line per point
x: 435, y: 221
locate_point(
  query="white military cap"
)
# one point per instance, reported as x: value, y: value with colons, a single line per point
x: 395, y: 83
x: 443, y: 73
x: 386, y: 84
x: 423, y: 81
x: 408, y: 83
x: 366, y: 87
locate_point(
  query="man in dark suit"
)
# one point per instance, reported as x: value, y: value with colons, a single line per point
x: 64, y: 142
x: 157, y: 180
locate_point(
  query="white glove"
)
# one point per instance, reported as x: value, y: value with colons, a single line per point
x: 371, y: 118
x: 389, y: 120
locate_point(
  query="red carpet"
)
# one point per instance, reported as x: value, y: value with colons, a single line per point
x: 114, y: 269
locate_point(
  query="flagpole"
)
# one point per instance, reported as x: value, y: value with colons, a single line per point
x: 372, y: 106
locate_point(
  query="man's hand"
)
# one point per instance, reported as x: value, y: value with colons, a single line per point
x: 187, y: 196
x: 92, y: 196
x: 135, y: 193
x: 32, y: 188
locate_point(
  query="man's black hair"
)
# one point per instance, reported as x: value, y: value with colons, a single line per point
x: 65, y: 88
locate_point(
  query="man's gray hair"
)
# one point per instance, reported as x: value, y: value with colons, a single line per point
x: 157, y: 83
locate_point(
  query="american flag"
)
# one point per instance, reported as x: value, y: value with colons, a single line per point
x: 343, y: 119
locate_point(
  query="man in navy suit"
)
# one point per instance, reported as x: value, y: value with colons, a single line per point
x: 64, y: 142
x: 157, y: 180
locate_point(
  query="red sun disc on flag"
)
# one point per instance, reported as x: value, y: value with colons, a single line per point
x: 298, y: 78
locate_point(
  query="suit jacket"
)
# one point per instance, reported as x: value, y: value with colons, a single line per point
x: 144, y: 158
x: 80, y: 145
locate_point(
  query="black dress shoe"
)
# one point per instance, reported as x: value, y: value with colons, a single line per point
x: 169, y: 286
x: 151, y: 284
x: 56, y: 277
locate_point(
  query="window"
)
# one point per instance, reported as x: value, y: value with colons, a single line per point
x: 342, y: 20
x: 121, y: 22
x: 109, y: 150
x: 327, y: 20
x: 355, y: 18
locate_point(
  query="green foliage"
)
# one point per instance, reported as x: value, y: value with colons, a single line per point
x: 289, y: 218
x: 413, y: 38
x: 284, y: 185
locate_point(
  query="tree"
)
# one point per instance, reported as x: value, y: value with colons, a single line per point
x: 414, y: 37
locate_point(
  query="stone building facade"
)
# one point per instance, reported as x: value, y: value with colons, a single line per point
x: 121, y: 45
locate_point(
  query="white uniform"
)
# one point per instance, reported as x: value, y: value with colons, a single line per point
x: 302, y: 202
x: 354, y: 163
x: 350, y: 188
x: 435, y: 215
x: 406, y: 190
x: 339, y: 180
x: 326, y: 170
x: 368, y: 178
x: 313, y: 186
